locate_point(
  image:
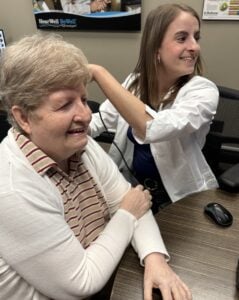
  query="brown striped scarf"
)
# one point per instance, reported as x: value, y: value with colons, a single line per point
x: 85, y: 208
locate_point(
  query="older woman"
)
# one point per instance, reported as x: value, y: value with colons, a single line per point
x: 66, y: 216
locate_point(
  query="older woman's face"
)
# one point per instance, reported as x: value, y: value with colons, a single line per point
x: 59, y: 126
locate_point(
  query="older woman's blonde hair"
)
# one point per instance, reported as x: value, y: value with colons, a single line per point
x: 37, y: 65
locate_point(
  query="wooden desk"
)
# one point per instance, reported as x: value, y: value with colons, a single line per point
x: 203, y: 254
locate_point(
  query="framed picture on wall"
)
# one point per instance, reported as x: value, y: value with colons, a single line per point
x: 220, y: 10
x: 95, y: 15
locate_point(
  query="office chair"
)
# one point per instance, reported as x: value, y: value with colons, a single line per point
x: 94, y: 105
x: 221, y: 149
x: 4, y: 125
x: 106, y: 136
x: 222, y: 143
x: 229, y: 180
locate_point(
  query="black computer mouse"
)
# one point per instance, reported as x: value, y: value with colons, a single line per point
x: 219, y: 214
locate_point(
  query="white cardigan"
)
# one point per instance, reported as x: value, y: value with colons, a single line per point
x: 176, y: 136
x: 40, y: 258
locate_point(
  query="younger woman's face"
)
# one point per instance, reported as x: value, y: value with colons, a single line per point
x: 180, y: 48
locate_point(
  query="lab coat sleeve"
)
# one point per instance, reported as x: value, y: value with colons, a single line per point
x: 194, y: 107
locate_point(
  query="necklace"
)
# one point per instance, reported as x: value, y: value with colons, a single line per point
x: 170, y: 91
x: 163, y: 99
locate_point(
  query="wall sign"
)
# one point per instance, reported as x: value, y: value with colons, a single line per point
x: 104, y: 15
x: 220, y: 10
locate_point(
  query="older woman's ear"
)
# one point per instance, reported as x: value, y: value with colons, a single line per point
x: 21, y: 118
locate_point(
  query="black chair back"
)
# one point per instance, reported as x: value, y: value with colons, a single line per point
x: 222, y: 144
x: 4, y: 125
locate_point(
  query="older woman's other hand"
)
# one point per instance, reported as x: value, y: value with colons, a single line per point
x: 158, y: 274
x: 137, y: 201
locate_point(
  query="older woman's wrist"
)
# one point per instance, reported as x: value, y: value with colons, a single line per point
x: 153, y: 257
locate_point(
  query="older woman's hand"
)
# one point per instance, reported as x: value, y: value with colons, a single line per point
x: 158, y: 274
x: 137, y: 201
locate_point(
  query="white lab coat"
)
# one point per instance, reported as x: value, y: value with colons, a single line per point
x: 176, y: 136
